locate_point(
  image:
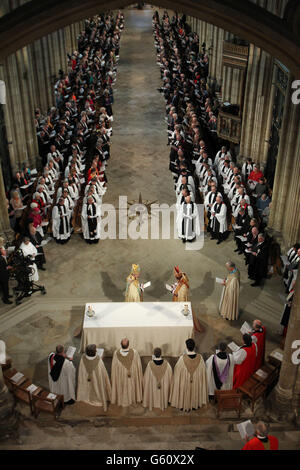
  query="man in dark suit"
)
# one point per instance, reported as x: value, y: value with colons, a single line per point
x: 4, y: 276
x: 258, y: 261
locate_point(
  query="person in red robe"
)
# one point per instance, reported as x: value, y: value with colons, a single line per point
x: 262, y: 441
x: 244, y: 360
x: 256, y: 174
x: 258, y: 336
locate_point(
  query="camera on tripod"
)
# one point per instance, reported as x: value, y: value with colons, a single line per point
x: 22, y: 272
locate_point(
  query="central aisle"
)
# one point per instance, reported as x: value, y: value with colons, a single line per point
x: 139, y: 154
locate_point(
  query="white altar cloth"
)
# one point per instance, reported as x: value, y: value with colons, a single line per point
x: 146, y: 324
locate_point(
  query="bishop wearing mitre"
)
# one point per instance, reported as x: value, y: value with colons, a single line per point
x: 189, y: 386
x: 126, y: 376
x: 229, y: 303
x: 134, y: 290
x: 157, y: 382
x: 180, y: 289
x: 93, y: 382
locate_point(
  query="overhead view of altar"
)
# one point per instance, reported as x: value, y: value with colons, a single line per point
x: 149, y: 225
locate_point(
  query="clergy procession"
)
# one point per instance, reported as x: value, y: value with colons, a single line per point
x: 138, y: 327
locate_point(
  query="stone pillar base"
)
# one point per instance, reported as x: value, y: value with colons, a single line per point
x: 281, y: 407
x: 8, y: 416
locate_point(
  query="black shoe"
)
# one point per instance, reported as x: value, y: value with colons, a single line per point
x: 219, y: 241
x: 240, y: 252
x: 255, y: 284
x: 70, y: 402
x: 6, y: 301
x: 42, y: 268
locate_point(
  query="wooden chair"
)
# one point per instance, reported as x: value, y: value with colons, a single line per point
x: 253, y: 390
x: 21, y: 393
x: 228, y: 400
x: 41, y: 402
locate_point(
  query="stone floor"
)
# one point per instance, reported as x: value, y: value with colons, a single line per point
x: 78, y: 273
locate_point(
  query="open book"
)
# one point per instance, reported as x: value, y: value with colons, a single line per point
x: 261, y: 373
x: 32, y: 388
x: 100, y: 352
x: 246, y: 328
x: 147, y: 284
x: 233, y: 346
x: 51, y: 396
x: 17, y: 377
x: 169, y: 288
x: 277, y: 355
x: 245, y: 429
x: 219, y: 280
x: 70, y: 352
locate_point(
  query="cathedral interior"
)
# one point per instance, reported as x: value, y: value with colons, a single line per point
x: 253, y: 49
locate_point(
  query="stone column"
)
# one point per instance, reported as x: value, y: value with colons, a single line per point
x: 8, y: 417
x: 286, y: 159
x: 5, y: 230
x: 285, y: 404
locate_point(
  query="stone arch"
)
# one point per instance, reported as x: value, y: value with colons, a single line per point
x: 279, y: 37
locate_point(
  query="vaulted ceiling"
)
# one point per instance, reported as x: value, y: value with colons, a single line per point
x: 278, y: 36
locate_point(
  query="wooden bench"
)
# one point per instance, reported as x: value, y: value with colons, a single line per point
x: 8, y: 374
x: 253, y: 389
x: 274, y: 360
x: 21, y: 393
x: 41, y: 402
x: 228, y: 400
x: 270, y: 376
x: 7, y: 365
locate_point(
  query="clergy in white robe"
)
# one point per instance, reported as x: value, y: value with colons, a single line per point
x: 91, y: 221
x: 189, y: 385
x: 190, y: 182
x: 126, y: 376
x: 218, y: 221
x: 188, y: 220
x: 219, y: 370
x: 134, y: 289
x: 229, y: 303
x: 93, y: 385
x: 69, y: 203
x: 61, y: 374
x: 157, y: 382
x: 61, y: 228
x: 28, y: 249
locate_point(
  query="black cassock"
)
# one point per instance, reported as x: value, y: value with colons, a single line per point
x: 92, y: 223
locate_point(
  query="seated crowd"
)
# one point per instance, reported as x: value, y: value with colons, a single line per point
x: 188, y: 387
x: 74, y: 144
x: 235, y: 197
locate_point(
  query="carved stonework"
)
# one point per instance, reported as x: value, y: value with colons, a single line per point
x: 235, y: 56
x: 229, y: 127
